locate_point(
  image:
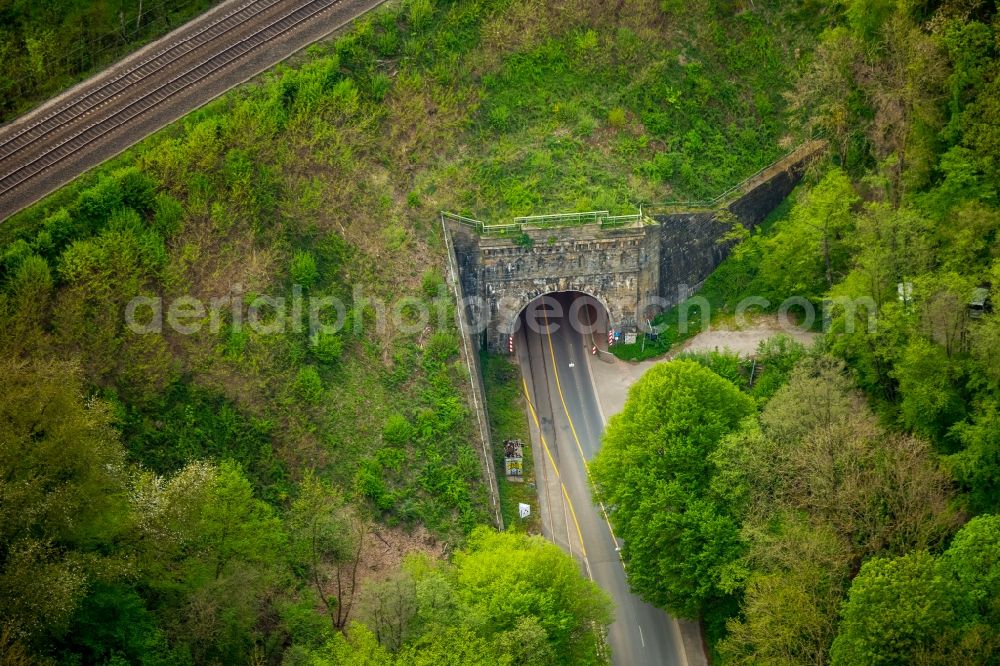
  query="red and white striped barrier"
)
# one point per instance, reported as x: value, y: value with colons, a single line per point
x: 611, y: 337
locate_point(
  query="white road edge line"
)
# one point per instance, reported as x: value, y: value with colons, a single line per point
x: 569, y: 535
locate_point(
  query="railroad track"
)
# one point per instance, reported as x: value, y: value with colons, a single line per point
x: 92, y: 117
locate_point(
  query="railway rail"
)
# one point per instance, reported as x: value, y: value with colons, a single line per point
x: 97, y: 112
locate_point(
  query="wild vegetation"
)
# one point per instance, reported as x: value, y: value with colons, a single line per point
x: 208, y: 491
x: 45, y: 47
x: 506, y: 599
x: 506, y: 409
x: 825, y: 521
x: 104, y: 561
x: 323, y: 179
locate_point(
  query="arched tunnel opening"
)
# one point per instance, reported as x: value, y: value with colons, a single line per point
x: 571, y: 315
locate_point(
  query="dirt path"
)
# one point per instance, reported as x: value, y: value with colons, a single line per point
x: 614, y: 379
x: 745, y: 341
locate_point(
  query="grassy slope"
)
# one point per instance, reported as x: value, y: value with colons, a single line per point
x: 493, y: 109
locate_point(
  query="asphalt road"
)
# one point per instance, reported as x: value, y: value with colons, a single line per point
x: 556, y: 366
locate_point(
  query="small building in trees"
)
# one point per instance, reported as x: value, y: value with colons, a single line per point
x: 980, y: 303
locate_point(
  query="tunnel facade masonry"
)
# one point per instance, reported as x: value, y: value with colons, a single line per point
x: 635, y: 267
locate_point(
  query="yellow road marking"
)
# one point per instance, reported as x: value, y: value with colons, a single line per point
x: 562, y: 398
x: 534, y: 415
x: 579, y: 533
x: 541, y: 436
x: 579, y: 447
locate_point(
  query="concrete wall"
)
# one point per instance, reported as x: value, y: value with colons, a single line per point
x: 689, y: 252
x: 689, y: 240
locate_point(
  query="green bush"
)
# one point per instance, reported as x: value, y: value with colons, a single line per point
x: 304, y: 270
x: 431, y: 284
x: 442, y: 346
x: 168, y: 217
x: 188, y: 422
x: 419, y: 13
x: 616, y: 117
x: 308, y: 385
x: 397, y: 431
x: 368, y: 483
x: 500, y: 118
x: 327, y: 348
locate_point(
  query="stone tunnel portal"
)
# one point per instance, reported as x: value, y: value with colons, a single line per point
x: 632, y: 265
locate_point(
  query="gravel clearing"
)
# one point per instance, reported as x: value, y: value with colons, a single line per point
x: 613, y: 380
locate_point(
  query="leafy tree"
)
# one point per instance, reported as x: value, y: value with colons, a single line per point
x: 28, y: 299
x: 867, y: 17
x: 930, y: 403
x: 326, y: 541
x: 358, y: 646
x: 890, y: 246
x: 895, y: 610
x: 506, y: 598
x: 36, y: 62
x: 878, y: 490
x: 778, y: 355
x: 503, y: 578
x: 451, y: 646
x: 818, y: 395
x: 791, y: 598
x: 924, y: 609
x: 653, y: 475
x: 101, y: 274
x: 114, y: 622
x: 390, y: 607
x: 826, y: 100
x: 819, y: 486
x: 64, y: 496
x: 973, y: 558
x: 977, y: 466
x: 943, y: 300
x: 979, y: 127
x: 211, y: 553
x: 811, y: 249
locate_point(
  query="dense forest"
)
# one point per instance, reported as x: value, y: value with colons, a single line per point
x: 207, y: 497
x: 48, y: 46
x: 841, y: 507
x: 105, y: 562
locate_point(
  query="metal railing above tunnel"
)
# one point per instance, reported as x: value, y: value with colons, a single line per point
x: 551, y: 221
